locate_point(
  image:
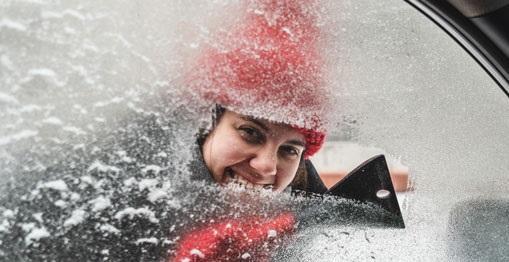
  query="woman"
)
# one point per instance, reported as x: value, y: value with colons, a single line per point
x: 264, y: 78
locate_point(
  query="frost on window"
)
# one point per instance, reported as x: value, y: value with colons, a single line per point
x: 101, y: 104
x: 100, y: 120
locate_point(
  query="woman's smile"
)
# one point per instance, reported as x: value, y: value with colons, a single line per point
x: 245, y: 181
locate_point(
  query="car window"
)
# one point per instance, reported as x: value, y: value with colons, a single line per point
x: 94, y: 144
x: 411, y: 91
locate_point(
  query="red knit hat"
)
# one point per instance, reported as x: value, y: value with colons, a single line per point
x: 269, y: 66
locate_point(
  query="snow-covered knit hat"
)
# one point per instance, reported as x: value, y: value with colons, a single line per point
x: 269, y: 65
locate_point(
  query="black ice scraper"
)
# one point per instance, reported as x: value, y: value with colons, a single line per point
x: 370, y: 182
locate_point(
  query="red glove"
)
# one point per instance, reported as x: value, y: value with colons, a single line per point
x: 233, y: 239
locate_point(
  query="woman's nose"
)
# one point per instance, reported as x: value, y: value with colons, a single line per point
x: 265, y: 161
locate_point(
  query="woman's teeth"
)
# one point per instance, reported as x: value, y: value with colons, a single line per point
x: 242, y: 182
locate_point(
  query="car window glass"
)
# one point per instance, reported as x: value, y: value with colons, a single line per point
x: 94, y: 145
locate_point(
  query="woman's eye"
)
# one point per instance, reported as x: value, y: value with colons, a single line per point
x: 250, y: 134
x: 290, y: 150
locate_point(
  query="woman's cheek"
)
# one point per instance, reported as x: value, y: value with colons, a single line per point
x: 284, y: 179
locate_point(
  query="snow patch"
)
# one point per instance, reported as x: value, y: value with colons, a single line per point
x: 96, y: 165
x: 13, y: 25
x: 76, y: 218
x: 162, y: 154
x: 8, y: 213
x: 124, y: 158
x: 38, y: 216
x: 6, y: 62
x: 141, y: 212
x: 114, y: 100
x: 47, y: 74
x: 23, y: 134
x: 50, y: 15
x: 196, y: 252
x: 74, y: 130
x: 4, y: 226
x: 60, y: 203
x: 109, y: 228
x: 100, y: 203
x: 78, y: 146
x: 75, y: 197
x: 154, y: 168
x: 53, y: 121
x: 35, y: 235
x: 75, y: 14
x: 58, y: 185
x: 151, y: 240
x: 147, y: 184
x: 157, y: 194
x: 130, y: 182
x: 173, y: 203
x: 8, y: 99
x: 272, y: 233
x: 30, y: 108
x: 87, y: 179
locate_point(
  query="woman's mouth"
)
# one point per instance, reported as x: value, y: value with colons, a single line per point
x: 232, y: 178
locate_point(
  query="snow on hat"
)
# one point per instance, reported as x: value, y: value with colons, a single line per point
x: 269, y: 66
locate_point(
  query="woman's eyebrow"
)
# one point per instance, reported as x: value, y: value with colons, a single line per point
x: 267, y: 129
x: 257, y: 122
x: 297, y: 143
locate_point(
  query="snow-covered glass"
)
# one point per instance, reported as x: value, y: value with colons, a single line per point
x: 100, y: 124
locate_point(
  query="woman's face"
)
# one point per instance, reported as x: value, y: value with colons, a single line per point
x: 253, y: 152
